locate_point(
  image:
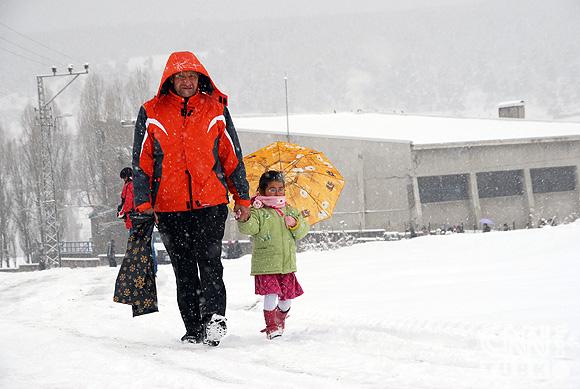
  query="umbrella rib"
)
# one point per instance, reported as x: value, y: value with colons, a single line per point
x: 295, y: 162
x: 259, y: 163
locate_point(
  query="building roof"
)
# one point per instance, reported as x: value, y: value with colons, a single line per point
x: 413, y: 128
x: 514, y: 103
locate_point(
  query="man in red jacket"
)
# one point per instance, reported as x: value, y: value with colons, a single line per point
x: 186, y: 159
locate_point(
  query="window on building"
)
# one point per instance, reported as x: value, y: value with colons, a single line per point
x: 553, y: 179
x: 443, y: 188
x: 500, y: 183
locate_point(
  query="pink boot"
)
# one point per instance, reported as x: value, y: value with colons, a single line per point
x: 272, y: 329
x: 281, y: 318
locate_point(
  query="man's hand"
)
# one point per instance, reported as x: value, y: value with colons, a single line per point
x: 242, y: 213
x: 150, y: 211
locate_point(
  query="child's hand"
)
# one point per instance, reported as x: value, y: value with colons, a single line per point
x: 290, y: 221
x: 242, y: 213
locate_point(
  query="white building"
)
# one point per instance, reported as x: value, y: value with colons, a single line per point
x: 403, y: 170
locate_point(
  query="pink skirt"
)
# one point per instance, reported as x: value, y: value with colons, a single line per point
x: 286, y: 286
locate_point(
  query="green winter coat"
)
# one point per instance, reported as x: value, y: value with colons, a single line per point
x: 274, y: 244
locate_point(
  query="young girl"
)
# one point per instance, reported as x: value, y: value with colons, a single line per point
x: 275, y: 227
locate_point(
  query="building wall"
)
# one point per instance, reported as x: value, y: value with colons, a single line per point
x: 376, y: 174
x: 381, y: 192
x: 561, y: 205
x: 518, y: 112
x: 448, y: 213
x: 453, y: 158
x: 508, y: 209
x: 473, y: 158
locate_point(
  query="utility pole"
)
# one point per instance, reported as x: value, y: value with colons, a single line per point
x: 49, y: 231
x: 287, y: 118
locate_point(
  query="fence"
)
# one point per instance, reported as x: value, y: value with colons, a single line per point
x: 76, y: 248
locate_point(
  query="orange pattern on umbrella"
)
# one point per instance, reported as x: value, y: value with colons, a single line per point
x: 313, y: 184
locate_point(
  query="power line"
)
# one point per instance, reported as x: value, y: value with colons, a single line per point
x: 38, y: 43
x: 25, y: 49
x: 22, y: 56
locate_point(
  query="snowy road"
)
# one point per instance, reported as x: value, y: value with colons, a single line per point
x: 497, y: 310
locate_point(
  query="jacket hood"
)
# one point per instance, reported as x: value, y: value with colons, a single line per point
x: 183, y: 61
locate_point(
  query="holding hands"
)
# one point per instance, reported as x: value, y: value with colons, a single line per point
x: 242, y: 213
x: 290, y: 221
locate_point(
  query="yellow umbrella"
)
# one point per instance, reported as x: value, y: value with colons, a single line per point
x: 313, y: 184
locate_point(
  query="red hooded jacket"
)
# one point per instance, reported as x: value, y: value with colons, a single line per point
x: 186, y: 153
x: 127, y: 200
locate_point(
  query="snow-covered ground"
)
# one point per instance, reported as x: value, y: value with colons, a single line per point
x: 496, y: 310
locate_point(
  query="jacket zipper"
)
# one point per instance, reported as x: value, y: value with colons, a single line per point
x: 190, y: 202
x: 184, y: 109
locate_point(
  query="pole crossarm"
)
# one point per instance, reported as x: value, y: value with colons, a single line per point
x: 60, y: 91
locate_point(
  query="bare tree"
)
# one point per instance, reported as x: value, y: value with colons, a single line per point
x: 23, y: 207
x: 91, y: 140
x: 114, y: 102
x: 31, y: 171
x: 61, y: 140
x: 138, y: 90
x: 6, y: 234
x: 104, y: 143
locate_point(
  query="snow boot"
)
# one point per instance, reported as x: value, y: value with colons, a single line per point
x: 215, y: 330
x: 272, y: 330
x: 281, y: 318
x: 192, y: 338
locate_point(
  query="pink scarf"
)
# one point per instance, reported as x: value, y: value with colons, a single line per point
x: 275, y: 202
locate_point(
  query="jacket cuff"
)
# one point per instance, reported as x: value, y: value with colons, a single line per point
x: 245, y: 203
x: 143, y: 207
x: 295, y: 226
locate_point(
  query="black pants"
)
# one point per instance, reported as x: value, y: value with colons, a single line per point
x: 193, y: 240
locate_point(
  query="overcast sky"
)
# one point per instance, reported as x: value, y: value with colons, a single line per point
x: 42, y: 15
x: 436, y: 33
